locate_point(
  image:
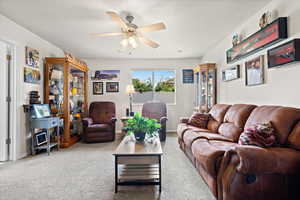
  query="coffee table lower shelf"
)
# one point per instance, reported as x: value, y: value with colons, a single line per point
x: 137, y: 170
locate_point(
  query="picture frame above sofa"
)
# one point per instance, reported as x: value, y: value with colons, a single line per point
x: 254, y: 71
x: 112, y: 87
x: 231, y: 73
x: 97, y: 88
x: 286, y: 53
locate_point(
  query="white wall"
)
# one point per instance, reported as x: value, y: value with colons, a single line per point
x: 20, y: 37
x: 281, y: 84
x: 184, y: 92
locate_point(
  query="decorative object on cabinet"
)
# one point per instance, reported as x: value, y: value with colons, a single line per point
x: 31, y: 75
x: 236, y: 39
x: 97, y: 88
x: 32, y: 57
x: 187, y: 76
x: 112, y: 87
x: 231, y: 73
x: 271, y: 34
x: 106, y: 75
x: 205, y: 87
x: 130, y: 91
x: 66, y: 91
x: 286, y: 53
x: 255, y: 71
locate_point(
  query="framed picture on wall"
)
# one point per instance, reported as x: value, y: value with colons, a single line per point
x: 106, y: 75
x: 32, y: 57
x: 32, y: 75
x: 187, y: 76
x: 255, y: 71
x: 112, y: 86
x: 97, y: 88
x: 231, y: 73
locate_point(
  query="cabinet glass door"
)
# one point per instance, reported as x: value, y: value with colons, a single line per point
x: 56, y: 88
x: 210, y: 88
x: 76, y: 93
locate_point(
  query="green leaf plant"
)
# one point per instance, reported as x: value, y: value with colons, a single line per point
x: 139, y: 124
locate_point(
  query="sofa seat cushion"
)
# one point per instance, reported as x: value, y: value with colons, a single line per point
x: 208, y: 154
x: 183, y: 127
x: 190, y: 136
x: 99, y: 128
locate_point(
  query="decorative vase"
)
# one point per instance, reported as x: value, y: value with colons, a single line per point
x: 139, y: 136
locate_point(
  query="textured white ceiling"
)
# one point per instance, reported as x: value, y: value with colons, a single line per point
x: 193, y: 26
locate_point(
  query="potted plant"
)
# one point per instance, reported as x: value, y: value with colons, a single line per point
x: 142, y: 126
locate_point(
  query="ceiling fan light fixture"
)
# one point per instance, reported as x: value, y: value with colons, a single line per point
x: 124, y: 42
x: 132, y: 42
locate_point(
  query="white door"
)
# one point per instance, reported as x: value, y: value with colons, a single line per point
x: 3, y: 103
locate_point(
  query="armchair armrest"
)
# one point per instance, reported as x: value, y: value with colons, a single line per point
x: 256, y: 160
x: 184, y: 120
x: 87, y: 121
x: 163, y: 120
x: 113, y: 120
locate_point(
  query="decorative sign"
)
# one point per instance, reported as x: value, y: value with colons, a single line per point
x: 231, y: 73
x: 187, y: 76
x: 255, y: 71
x: 284, y: 54
x: 271, y: 34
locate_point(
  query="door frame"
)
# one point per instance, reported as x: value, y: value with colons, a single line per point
x: 12, y: 126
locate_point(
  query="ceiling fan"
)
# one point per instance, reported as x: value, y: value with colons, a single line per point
x: 131, y: 32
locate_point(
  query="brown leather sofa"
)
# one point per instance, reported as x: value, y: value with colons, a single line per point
x: 100, y: 125
x: 244, y: 172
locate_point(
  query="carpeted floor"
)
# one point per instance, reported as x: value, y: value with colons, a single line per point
x: 86, y: 172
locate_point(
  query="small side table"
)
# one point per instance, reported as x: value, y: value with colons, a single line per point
x: 45, y: 123
x: 124, y: 121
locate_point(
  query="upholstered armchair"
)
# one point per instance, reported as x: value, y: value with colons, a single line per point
x: 100, y: 125
x: 158, y: 111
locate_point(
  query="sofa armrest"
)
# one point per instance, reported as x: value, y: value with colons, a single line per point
x: 87, y: 121
x: 184, y: 120
x: 257, y: 160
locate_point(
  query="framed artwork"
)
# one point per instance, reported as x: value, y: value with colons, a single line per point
x: 231, y: 73
x: 112, y: 87
x: 32, y: 57
x: 31, y: 75
x: 286, y: 53
x: 97, y: 88
x: 271, y: 34
x: 187, y: 76
x: 255, y: 71
x: 106, y: 75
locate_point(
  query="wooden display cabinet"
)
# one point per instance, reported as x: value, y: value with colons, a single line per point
x: 66, y: 92
x: 205, y: 87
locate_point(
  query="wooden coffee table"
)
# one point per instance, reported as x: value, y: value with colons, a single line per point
x: 137, y: 163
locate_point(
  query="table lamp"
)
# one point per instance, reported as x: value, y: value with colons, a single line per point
x: 130, y: 90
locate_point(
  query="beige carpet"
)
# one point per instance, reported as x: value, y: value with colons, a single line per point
x: 86, y: 172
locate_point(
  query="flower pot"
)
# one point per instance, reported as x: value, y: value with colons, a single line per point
x: 139, y: 136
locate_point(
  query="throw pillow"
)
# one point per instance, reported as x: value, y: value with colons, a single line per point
x: 261, y: 134
x: 199, y: 120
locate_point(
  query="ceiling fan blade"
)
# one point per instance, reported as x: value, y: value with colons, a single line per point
x: 148, y: 42
x: 152, y: 27
x: 117, y: 19
x: 106, y: 34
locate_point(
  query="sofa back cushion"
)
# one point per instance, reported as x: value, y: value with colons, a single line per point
x: 199, y: 120
x: 234, y: 121
x: 217, y: 113
x: 283, y: 119
x: 294, y: 137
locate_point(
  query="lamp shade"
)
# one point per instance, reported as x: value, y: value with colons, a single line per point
x: 130, y: 89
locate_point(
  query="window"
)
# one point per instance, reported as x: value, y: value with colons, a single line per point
x: 154, y: 85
